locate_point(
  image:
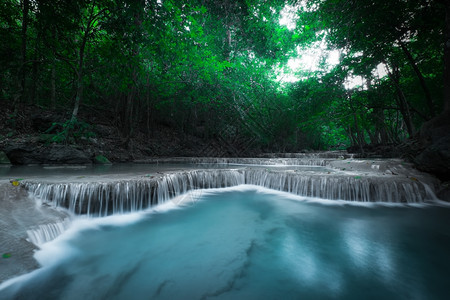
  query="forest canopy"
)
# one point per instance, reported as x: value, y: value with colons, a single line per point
x: 256, y: 74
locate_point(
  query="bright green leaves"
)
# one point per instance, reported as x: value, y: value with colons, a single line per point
x: 202, y: 10
x: 387, y: 46
x: 211, y: 64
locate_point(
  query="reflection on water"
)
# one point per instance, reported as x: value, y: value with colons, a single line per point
x: 248, y: 243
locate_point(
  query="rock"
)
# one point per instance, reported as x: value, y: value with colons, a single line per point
x: 436, y: 128
x: 22, y: 153
x: 4, y: 159
x: 43, y: 121
x: 100, y: 159
x: 436, y: 158
x: 45, y: 138
x: 66, y: 155
x: 376, y: 150
x: 438, y: 133
x: 28, y: 153
x: 443, y: 191
x: 104, y: 131
x: 429, y: 150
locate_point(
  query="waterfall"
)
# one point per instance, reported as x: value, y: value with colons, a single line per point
x: 175, y: 184
x: 341, y: 187
x: 300, y: 160
x: 112, y: 197
x: 316, y: 155
x: 47, y: 232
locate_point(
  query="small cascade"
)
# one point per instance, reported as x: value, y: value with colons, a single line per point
x: 98, y: 198
x: 115, y: 197
x: 303, y: 160
x: 312, y: 155
x: 342, y: 187
x: 47, y: 232
x: 175, y: 184
x: 112, y: 197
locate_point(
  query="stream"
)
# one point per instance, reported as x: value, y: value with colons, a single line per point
x: 242, y: 229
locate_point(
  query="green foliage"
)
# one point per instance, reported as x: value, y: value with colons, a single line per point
x: 207, y: 67
x: 100, y: 159
x: 70, y: 131
x: 3, y: 158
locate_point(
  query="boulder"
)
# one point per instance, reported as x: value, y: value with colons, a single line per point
x: 4, y: 159
x: 23, y: 153
x: 63, y: 154
x: 43, y: 121
x: 443, y: 191
x: 431, y: 147
x: 101, y: 160
x: 435, y: 158
x: 28, y: 153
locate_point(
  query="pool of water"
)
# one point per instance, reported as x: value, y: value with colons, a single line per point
x: 247, y: 243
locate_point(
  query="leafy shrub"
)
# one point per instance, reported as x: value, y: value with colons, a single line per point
x: 71, y: 131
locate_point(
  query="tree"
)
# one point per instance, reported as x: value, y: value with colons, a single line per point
x: 206, y: 68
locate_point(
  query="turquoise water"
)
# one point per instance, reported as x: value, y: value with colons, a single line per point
x: 248, y: 243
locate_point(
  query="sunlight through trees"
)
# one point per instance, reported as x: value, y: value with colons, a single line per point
x: 277, y: 75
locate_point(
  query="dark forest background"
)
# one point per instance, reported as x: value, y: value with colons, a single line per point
x: 199, y: 76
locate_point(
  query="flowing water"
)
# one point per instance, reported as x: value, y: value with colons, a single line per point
x: 247, y: 242
x: 101, y: 196
x: 226, y: 229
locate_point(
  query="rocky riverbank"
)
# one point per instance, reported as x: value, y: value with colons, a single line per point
x: 34, y: 136
x: 18, y: 214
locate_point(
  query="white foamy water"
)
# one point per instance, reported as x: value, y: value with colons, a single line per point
x: 101, y: 197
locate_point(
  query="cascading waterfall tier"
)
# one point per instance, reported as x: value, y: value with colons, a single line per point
x: 118, y: 196
x: 299, y: 160
x: 311, y: 155
x: 46, y: 232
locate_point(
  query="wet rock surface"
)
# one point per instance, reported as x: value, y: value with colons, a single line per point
x: 435, y: 159
x: 29, y: 153
x: 429, y: 150
x: 19, y: 213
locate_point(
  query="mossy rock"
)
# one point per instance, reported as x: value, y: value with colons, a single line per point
x: 4, y: 160
x: 46, y: 138
x: 101, y: 160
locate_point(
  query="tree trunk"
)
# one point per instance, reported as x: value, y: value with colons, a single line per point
x: 353, y: 139
x: 380, y: 127
x: 35, y: 70
x: 422, y: 82
x: 26, y: 9
x: 79, y: 92
x: 404, y: 110
x: 131, y: 106
x: 79, y: 84
x: 359, y: 135
x: 129, y: 111
x: 147, y: 100
x: 19, y: 98
x: 53, y: 84
x: 447, y: 57
x: 401, y: 102
x: 34, y: 77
